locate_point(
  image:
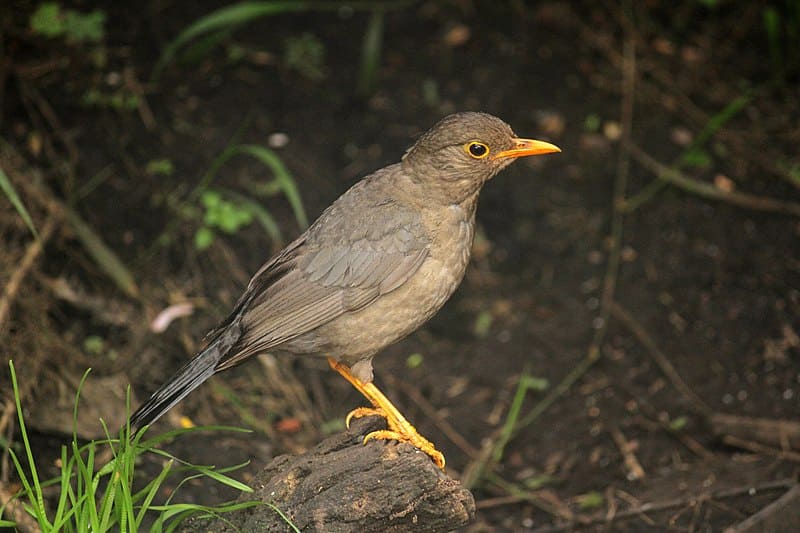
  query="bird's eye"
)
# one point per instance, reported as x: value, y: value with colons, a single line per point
x: 476, y: 149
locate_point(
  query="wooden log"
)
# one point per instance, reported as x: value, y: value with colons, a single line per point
x: 343, y: 485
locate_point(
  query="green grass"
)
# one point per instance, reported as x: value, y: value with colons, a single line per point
x: 199, y: 37
x: 11, y: 193
x: 96, y: 497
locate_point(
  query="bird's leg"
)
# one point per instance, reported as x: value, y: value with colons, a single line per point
x: 400, y: 429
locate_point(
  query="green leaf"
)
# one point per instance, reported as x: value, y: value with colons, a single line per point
x: 203, y: 238
x: 93, y: 344
x: 46, y: 20
x: 261, y: 215
x: 414, y: 360
x: 537, y: 482
x: 163, y: 167
x: 590, y: 500
x: 679, y: 423
x: 89, y: 27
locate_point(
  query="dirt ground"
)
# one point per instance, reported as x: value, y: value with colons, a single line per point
x: 642, y: 283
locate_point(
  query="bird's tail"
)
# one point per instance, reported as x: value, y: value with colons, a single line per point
x: 188, y: 378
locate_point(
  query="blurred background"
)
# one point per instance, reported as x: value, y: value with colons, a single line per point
x: 625, y: 348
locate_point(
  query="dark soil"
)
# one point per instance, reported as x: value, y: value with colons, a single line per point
x: 714, y: 285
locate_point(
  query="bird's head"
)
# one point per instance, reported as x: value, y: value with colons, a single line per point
x: 463, y: 151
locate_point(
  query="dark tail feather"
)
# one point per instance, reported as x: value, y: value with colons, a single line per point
x: 187, y: 379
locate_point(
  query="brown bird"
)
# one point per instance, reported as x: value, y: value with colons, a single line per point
x: 375, y: 266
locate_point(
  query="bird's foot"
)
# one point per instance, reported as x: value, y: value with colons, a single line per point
x: 400, y: 430
x: 415, y: 439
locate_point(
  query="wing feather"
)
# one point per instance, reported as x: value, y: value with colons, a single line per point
x: 318, y: 278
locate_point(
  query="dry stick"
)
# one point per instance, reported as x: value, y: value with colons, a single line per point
x: 778, y: 433
x: 430, y: 411
x: 706, y: 190
x: 759, y: 448
x: 660, y: 359
x: 33, y: 251
x: 779, y: 515
x: 632, y: 464
x: 133, y: 84
x: 720, y: 494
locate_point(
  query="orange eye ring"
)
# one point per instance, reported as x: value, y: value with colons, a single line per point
x: 477, y: 150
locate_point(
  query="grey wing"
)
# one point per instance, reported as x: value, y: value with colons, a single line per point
x: 320, y: 280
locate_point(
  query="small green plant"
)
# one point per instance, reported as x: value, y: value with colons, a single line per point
x: 220, y: 214
x: 234, y: 211
x: 306, y: 55
x: 101, y: 497
x: 52, y: 21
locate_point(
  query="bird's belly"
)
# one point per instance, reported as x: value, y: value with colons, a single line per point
x: 394, y: 315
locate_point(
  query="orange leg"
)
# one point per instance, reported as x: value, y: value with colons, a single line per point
x: 400, y: 429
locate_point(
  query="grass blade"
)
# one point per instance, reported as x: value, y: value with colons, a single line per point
x: 226, y: 17
x: 283, y: 177
x: 34, y: 488
x: 371, y: 53
x: 263, y: 216
x: 13, y: 197
x: 105, y: 258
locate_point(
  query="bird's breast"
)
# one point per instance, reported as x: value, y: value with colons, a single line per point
x: 358, y: 335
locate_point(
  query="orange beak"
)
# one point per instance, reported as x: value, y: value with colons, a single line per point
x: 525, y: 147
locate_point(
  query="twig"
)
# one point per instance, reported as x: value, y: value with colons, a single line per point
x: 779, y: 515
x: 430, y: 411
x: 706, y: 190
x: 32, y: 252
x: 756, y: 447
x: 145, y: 113
x: 660, y: 359
x: 777, y: 433
x: 657, y: 422
x: 732, y: 492
x: 632, y: 464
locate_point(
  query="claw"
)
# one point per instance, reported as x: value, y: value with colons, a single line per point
x: 360, y: 412
x: 424, y: 445
x: 400, y: 429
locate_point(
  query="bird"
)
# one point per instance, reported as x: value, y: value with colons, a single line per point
x: 375, y: 266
